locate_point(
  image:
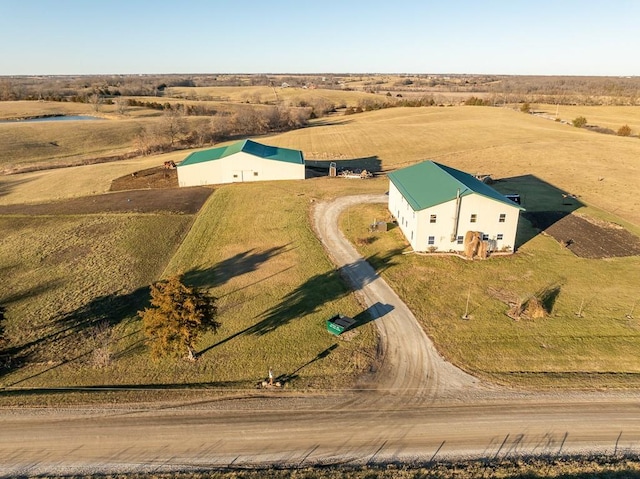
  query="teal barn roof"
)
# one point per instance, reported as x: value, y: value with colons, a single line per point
x: 246, y: 146
x: 428, y: 184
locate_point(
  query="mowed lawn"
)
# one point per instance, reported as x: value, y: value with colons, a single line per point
x: 251, y: 246
x: 598, y: 348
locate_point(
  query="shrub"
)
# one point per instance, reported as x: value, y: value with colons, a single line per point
x: 525, y: 108
x: 579, y: 122
x: 475, y: 101
x: 624, y: 130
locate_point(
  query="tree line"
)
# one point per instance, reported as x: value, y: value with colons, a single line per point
x: 175, y: 130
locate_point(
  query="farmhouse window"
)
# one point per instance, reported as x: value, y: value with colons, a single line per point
x: 432, y: 219
x: 474, y: 217
x: 255, y: 173
x: 502, y: 218
x: 432, y: 240
x: 499, y: 237
x: 460, y: 239
x: 235, y: 176
x: 485, y: 237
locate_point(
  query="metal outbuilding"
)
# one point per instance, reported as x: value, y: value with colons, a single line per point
x: 242, y: 161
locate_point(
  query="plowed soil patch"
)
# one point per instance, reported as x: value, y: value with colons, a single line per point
x: 589, y: 239
x: 174, y: 200
x: 157, y: 177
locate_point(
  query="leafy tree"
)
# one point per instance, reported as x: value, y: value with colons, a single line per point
x: 624, y: 130
x: 178, y: 315
x: 579, y: 121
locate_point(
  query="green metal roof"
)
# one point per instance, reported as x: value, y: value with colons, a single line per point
x: 246, y: 146
x: 429, y: 184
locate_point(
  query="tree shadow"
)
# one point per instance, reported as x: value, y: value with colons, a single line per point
x: 302, y: 301
x: 31, y: 292
x: 64, y: 337
x: 545, y: 204
x: 288, y: 377
x: 315, y: 168
x: 237, y: 265
x: 310, y: 296
x: 372, y: 313
x: 548, y: 297
x: 8, y: 185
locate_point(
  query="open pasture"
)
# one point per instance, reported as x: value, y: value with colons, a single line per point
x: 59, y: 143
x: 600, y: 169
x: 612, y: 117
x: 252, y: 247
x: 291, y: 96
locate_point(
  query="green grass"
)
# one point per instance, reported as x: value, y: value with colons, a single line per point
x: 599, y: 349
x: 63, y: 275
x: 274, y: 283
x: 275, y: 287
x: 253, y: 247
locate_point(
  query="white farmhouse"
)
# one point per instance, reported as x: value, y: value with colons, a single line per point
x: 239, y: 162
x: 436, y: 206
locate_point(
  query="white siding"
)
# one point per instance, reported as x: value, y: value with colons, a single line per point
x: 404, y: 213
x: 417, y: 226
x: 239, y: 167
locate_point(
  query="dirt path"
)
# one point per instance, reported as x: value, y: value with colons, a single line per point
x: 411, y: 365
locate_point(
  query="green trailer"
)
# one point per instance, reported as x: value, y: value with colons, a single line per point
x: 337, y: 324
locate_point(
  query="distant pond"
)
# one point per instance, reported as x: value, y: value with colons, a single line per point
x: 54, y: 118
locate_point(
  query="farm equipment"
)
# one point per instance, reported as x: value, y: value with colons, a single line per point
x: 357, y: 174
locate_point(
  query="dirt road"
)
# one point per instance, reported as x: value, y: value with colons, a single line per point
x: 419, y: 408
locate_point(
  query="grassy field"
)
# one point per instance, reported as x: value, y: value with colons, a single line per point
x: 599, y: 348
x: 612, y: 117
x: 253, y: 247
x: 274, y: 283
x: 600, y: 169
x: 264, y: 94
x: 65, y: 278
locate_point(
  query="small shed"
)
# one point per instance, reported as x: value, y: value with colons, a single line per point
x: 337, y: 324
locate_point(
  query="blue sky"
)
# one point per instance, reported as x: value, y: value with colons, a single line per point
x: 537, y: 37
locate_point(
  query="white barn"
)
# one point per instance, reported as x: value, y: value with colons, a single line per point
x: 436, y: 206
x: 242, y: 161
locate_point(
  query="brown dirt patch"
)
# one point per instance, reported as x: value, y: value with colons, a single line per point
x: 156, y: 177
x: 174, y: 200
x: 589, y: 238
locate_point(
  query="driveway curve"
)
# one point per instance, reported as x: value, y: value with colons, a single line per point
x: 411, y: 366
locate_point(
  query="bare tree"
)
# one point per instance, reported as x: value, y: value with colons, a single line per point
x: 121, y: 106
x: 174, y: 125
x: 95, y: 99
